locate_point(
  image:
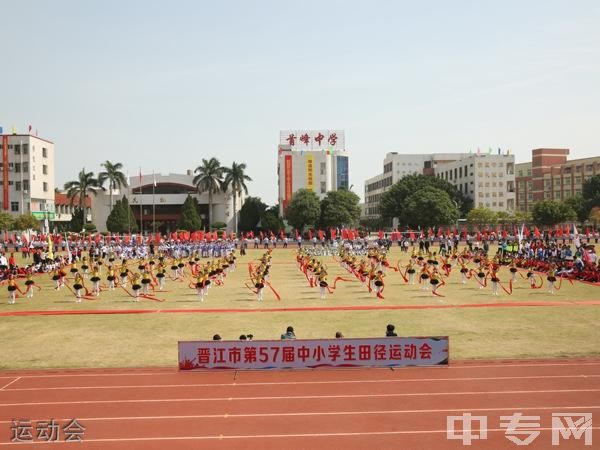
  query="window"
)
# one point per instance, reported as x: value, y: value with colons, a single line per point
x: 577, y: 179
x: 14, y: 206
x: 17, y: 167
x: 557, y: 182
x: 17, y: 148
x: 44, y: 152
x: 25, y: 167
x: 487, y: 165
x: 481, y: 204
x: 500, y: 203
x: 45, y: 186
x: 25, y: 149
x: 479, y: 165
x: 323, y: 187
x: 25, y: 185
x: 17, y: 186
x: 45, y: 169
x: 500, y: 194
x: 480, y: 194
x: 530, y: 195
x: 588, y: 168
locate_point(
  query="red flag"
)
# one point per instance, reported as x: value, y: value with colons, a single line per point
x: 380, y: 234
x: 321, y: 235
x: 127, y: 239
x: 559, y: 232
x: 430, y: 232
x: 215, y: 236
x: 251, y: 234
x: 525, y: 231
x: 567, y: 230
x: 224, y: 235
x: 536, y: 232
x: 310, y: 235
x: 139, y: 239
x: 478, y: 236
x: 504, y: 234
x: 344, y: 234
x: 440, y: 232
x: 97, y: 238
x: 412, y: 236
x: 157, y: 239
x: 232, y: 235
x: 89, y: 238
x: 333, y: 234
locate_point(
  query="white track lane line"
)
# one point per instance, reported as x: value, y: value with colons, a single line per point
x: 296, y: 383
x: 282, y: 436
x: 330, y: 370
x: 8, y: 384
x: 331, y: 413
x: 301, y: 397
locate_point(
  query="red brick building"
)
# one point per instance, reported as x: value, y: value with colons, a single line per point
x: 549, y: 176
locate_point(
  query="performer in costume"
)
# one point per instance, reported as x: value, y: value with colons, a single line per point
x: 135, y: 285
x: 30, y: 284
x: 57, y: 279
x: 424, y: 278
x: 531, y: 278
x: 145, y: 282
x: 322, y: 277
x: 12, y: 290
x: 435, y: 281
x: 513, y: 271
x: 551, y: 278
x: 260, y: 286
x: 95, y: 279
x: 200, y: 287
x: 110, y: 277
x: 463, y: 272
x: 78, y: 286
x: 378, y: 282
x: 160, y: 276
x: 494, y: 279
x: 84, y: 267
x: 124, y: 273
x: 74, y: 270
x: 410, y: 270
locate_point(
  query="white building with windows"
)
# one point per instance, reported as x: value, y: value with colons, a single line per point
x: 158, y: 208
x: 488, y: 179
x: 27, y: 173
x: 396, y: 166
x: 311, y: 159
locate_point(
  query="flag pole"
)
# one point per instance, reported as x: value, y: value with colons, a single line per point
x: 141, y: 207
x: 153, y: 204
x: 128, y: 197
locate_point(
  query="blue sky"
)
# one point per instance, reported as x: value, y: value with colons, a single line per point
x: 163, y: 85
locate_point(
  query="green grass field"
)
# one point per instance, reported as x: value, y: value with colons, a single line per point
x: 151, y: 339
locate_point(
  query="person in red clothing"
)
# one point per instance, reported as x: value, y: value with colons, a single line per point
x: 11, y: 260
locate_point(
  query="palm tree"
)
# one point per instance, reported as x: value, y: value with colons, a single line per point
x: 84, y: 185
x: 235, y: 178
x: 209, y: 177
x: 116, y: 179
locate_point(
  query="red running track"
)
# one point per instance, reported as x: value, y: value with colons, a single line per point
x: 312, y: 409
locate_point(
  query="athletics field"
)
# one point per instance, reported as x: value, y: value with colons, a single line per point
x: 53, y: 331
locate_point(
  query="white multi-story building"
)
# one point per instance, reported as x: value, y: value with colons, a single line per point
x: 311, y: 159
x: 27, y: 172
x: 161, y: 204
x: 488, y: 179
x: 396, y: 166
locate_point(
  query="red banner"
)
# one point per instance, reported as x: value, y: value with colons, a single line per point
x: 288, y: 180
x: 5, y: 172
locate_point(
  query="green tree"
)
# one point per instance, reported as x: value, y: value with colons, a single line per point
x: 591, y: 191
x: 551, y: 212
x: 271, y: 221
x: 595, y: 216
x: 6, y: 221
x: 235, y: 179
x: 339, y: 208
x: 580, y: 206
x: 482, y: 216
x: 76, y: 222
x: 250, y: 213
x: 304, y: 209
x: 121, y: 218
x: 26, y: 222
x: 428, y: 207
x: 115, y: 177
x: 209, y: 178
x: 85, y: 184
x: 190, y: 219
x: 393, y: 201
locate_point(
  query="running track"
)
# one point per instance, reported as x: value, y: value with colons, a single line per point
x: 312, y: 409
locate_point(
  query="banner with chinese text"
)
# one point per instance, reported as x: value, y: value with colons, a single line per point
x: 304, y: 353
x: 310, y: 173
x: 313, y: 140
